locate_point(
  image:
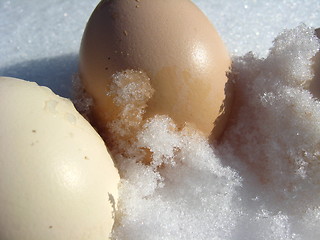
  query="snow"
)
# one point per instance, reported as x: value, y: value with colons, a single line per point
x: 261, y: 181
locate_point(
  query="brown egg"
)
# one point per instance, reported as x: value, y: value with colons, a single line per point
x: 171, y: 41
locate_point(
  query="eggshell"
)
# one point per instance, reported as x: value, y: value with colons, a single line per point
x: 57, y: 180
x: 174, y: 43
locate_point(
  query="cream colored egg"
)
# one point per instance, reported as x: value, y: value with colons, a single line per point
x: 174, y: 43
x: 57, y: 180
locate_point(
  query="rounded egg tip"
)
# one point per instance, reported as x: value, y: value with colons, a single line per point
x: 183, y: 58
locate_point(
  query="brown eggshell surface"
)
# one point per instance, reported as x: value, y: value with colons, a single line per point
x: 174, y: 43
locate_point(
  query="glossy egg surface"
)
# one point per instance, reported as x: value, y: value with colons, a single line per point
x: 57, y: 179
x: 174, y: 43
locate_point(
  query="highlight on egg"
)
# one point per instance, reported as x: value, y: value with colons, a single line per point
x: 165, y: 56
x: 57, y: 179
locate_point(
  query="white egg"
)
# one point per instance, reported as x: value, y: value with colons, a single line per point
x: 57, y: 179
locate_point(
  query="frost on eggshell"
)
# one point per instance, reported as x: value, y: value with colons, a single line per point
x: 130, y: 91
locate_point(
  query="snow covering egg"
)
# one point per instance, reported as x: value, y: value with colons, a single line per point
x: 174, y: 44
x: 57, y: 180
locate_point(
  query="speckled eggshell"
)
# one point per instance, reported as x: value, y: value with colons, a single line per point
x: 174, y: 43
x: 57, y: 180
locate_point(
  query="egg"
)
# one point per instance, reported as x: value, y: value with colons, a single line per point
x: 57, y: 179
x: 174, y: 44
